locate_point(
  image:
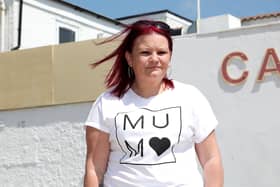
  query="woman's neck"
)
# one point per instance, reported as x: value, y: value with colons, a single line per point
x: 148, y: 89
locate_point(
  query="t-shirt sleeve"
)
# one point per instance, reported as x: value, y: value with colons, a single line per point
x: 204, y: 120
x: 96, y: 116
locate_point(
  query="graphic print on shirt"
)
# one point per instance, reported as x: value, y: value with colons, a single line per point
x: 148, y: 137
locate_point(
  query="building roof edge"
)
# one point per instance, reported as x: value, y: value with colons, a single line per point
x: 81, y: 9
x: 260, y: 16
x: 155, y: 12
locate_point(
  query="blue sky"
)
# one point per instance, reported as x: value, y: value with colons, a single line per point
x: 186, y: 8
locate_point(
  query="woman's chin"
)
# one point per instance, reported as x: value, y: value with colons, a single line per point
x: 156, y: 76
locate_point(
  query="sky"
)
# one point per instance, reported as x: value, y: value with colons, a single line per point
x: 186, y: 8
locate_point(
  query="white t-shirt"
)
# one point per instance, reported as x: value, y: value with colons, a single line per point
x: 152, y: 139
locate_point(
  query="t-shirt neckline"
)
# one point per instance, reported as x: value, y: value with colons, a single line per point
x: 134, y: 94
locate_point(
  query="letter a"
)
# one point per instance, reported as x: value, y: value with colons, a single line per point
x: 269, y: 53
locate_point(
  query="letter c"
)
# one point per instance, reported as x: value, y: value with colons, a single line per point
x: 226, y: 62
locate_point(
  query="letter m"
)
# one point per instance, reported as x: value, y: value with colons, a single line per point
x: 127, y: 120
x: 132, y: 151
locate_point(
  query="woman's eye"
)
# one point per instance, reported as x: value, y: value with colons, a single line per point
x: 162, y: 52
x: 144, y: 53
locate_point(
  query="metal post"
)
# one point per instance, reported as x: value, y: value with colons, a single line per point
x: 198, y: 16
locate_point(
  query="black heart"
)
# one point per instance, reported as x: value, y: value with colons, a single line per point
x: 159, y: 145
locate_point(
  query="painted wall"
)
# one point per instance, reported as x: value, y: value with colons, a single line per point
x: 45, y: 146
x: 248, y: 112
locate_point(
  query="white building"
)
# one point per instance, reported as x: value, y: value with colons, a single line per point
x: 34, y: 23
x: 179, y: 24
x: 218, y: 23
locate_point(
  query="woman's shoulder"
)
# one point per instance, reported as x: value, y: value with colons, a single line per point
x: 185, y: 87
x: 107, y: 96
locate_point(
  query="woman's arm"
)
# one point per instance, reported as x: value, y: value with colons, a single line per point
x: 210, y: 159
x: 98, y: 147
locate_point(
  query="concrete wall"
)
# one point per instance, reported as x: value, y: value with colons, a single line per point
x: 44, y: 146
x: 248, y: 112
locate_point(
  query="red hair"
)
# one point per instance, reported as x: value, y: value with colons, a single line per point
x: 119, y: 77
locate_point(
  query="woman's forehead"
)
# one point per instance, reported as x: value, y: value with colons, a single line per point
x: 150, y: 38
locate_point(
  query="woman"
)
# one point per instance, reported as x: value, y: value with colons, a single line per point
x: 146, y: 130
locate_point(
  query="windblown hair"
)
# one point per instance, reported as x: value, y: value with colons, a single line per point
x: 119, y: 77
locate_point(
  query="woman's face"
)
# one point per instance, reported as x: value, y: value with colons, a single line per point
x: 150, y: 57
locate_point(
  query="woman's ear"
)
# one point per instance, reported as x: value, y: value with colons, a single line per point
x: 128, y: 58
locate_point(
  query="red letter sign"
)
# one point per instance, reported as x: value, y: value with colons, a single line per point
x: 269, y: 53
x: 224, y: 71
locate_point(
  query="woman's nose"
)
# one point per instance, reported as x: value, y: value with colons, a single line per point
x: 154, y: 57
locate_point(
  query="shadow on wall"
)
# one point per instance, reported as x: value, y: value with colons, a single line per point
x: 272, y: 78
x: 227, y: 87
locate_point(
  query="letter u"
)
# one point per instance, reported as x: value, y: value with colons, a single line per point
x: 161, y: 126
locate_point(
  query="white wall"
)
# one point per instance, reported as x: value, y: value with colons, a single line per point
x: 43, y: 146
x: 218, y: 23
x: 248, y: 113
